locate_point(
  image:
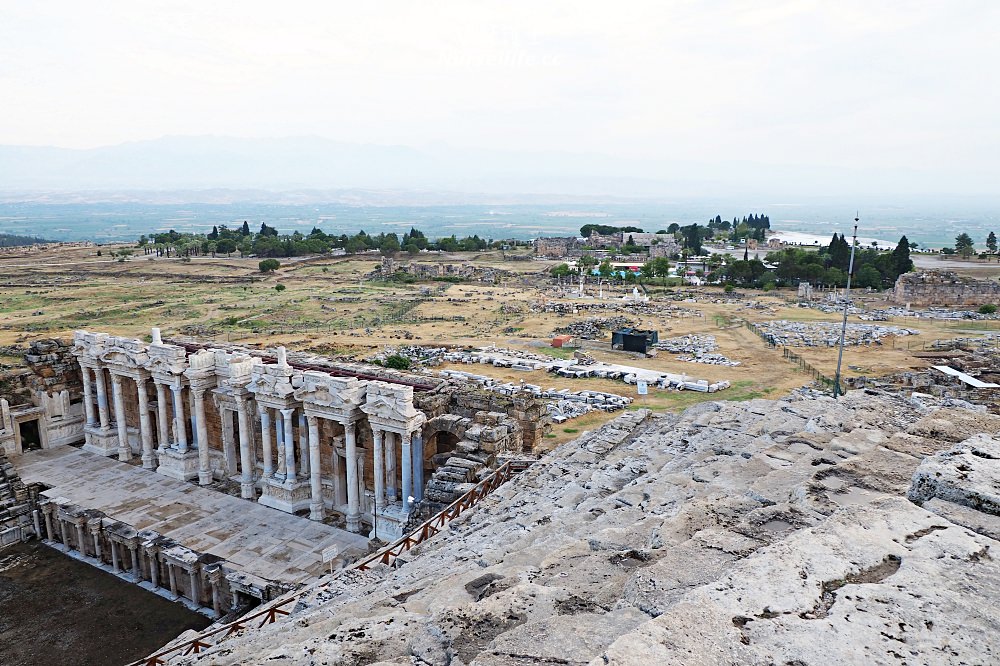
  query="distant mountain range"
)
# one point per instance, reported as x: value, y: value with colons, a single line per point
x: 317, y: 165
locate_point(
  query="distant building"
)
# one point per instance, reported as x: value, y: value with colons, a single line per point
x: 557, y: 247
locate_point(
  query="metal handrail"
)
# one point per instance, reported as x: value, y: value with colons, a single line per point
x: 387, y: 555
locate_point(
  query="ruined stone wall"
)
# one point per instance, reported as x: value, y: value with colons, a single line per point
x: 54, y: 368
x: 556, y: 247
x: 529, y: 413
x: 944, y: 288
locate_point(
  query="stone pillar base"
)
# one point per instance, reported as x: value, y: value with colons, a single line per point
x: 177, y: 465
x: 101, y: 442
x: 287, y: 496
x: 354, y: 523
x: 389, y: 523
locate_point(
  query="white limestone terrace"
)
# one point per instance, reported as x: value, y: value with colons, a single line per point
x: 251, y: 538
x: 764, y: 532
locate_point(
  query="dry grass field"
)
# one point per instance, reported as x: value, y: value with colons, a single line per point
x: 327, y: 306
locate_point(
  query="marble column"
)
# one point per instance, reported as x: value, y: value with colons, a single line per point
x: 88, y: 396
x: 353, y: 489
x: 390, y: 465
x: 195, y: 440
x: 204, y: 462
x: 265, y: 441
x: 379, y: 470
x: 406, y: 458
x: 195, y: 592
x: 81, y: 539
x: 95, y: 533
x: 62, y: 532
x: 303, y: 446
x: 418, y: 466
x: 172, y: 575
x: 49, y: 530
x: 289, y: 444
x: 279, y: 429
x: 215, y: 579
x: 136, y: 571
x: 102, y: 398
x: 163, y: 429
x: 316, y: 510
x: 154, y: 569
x: 114, y: 555
x: 246, y: 476
x: 124, y: 452
x: 145, y: 429
x: 180, y: 427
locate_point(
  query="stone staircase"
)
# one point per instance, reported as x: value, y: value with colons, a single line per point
x: 15, y: 512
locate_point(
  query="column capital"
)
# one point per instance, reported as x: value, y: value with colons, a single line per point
x: 116, y: 379
x: 312, y: 420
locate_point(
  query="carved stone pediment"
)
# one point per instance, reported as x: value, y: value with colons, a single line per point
x: 269, y: 384
x: 392, y: 405
x: 342, y: 395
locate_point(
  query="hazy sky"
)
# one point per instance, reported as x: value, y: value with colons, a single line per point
x: 830, y: 83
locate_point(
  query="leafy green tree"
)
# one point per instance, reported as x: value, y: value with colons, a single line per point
x: 868, y: 276
x: 226, y: 246
x: 279, y: 287
x: 245, y: 231
x: 991, y: 243
x: 605, y: 269
x: 397, y: 362
x: 964, y: 245
x: 389, y: 245
x: 661, y: 268
x: 269, y: 265
x: 987, y: 309
x: 562, y: 270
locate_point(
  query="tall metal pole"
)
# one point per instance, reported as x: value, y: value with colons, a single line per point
x: 847, y: 305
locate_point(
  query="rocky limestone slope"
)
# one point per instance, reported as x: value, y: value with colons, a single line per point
x: 764, y: 532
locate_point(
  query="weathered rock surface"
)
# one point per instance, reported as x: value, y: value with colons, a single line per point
x: 763, y: 532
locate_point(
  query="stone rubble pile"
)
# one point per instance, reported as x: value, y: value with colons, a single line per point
x: 889, y: 313
x: 424, y: 356
x: 759, y: 532
x: 583, y: 368
x: 595, y: 328
x: 827, y: 334
x: 695, y: 349
x: 563, y: 404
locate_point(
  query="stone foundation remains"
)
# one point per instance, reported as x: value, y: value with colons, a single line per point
x: 944, y: 288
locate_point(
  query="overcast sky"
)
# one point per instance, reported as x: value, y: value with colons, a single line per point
x: 883, y: 84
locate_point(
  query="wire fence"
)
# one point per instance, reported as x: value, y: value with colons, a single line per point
x: 792, y: 357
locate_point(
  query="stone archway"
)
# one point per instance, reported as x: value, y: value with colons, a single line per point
x: 441, y: 434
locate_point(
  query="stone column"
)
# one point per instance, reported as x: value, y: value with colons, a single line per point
x: 136, y: 571
x: 289, y: 445
x: 406, y: 457
x: 279, y: 429
x: 49, y: 530
x: 265, y: 441
x: 102, y: 398
x: 390, y: 465
x: 215, y: 579
x: 95, y: 533
x: 339, y: 487
x: 195, y: 439
x: 62, y: 532
x: 145, y: 430
x: 163, y: 430
x: 246, y: 477
x: 124, y: 452
x: 316, y: 509
x: 180, y: 427
x: 303, y: 446
x: 114, y: 555
x: 418, y: 466
x: 80, y: 537
x: 154, y: 569
x: 172, y: 575
x: 195, y: 592
x: 88, y: 396
x: 379, y: 470
x: 204, y: 463
x: 353, y: 488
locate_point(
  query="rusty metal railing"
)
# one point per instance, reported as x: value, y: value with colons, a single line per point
x: 388, y: 555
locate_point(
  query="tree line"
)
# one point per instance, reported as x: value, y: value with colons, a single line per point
x: 965, y: 246
x: 827, y: 267
x: 267, y: 242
